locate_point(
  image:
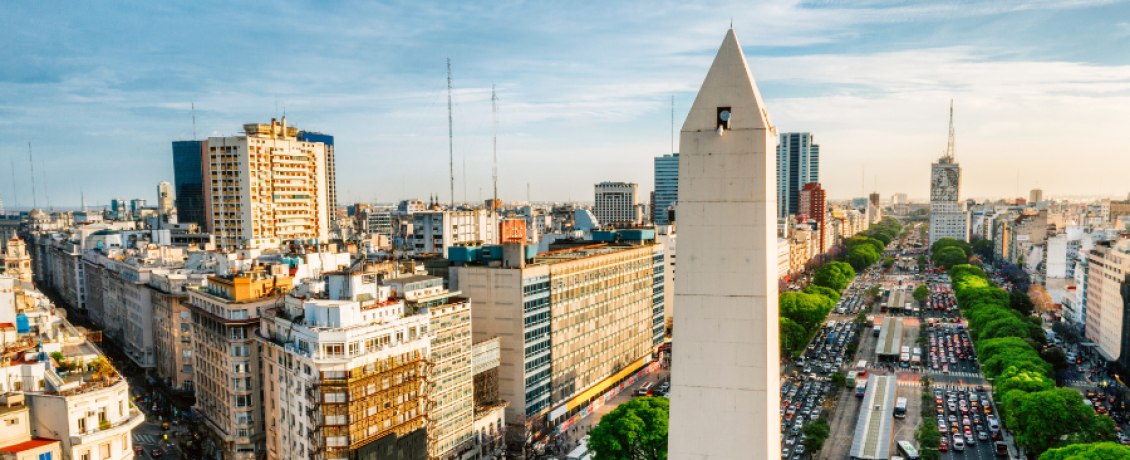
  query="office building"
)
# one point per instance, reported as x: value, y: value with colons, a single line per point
x: 899, y: 199
x: 798, y: 163
x: 666, y: 188
x: 228, y: 372
x: 546, y: 308
x: 188, y: 179
x: 331, y: 166
x: 726, y: 381
x: 617, y: 202
x: 874, y: 199
x: 267, y: 186
x: 948, y: 218
x: 15, y: 261
x: 1035, y: 196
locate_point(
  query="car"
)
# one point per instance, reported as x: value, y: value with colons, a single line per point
x: 785, y: 453
x: 982, y: 435
x: 137, y: 450
x: 155, y: 453
x: 943, y: 446
x: 946, y: 369
x: 790, y: 441
x: 800, y: 448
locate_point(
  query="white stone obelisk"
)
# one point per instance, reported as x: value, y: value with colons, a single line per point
x: 725, y: 376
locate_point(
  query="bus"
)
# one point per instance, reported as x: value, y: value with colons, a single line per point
x: 904, y: 359
x: 908, y: 450
x: 900, y: 408
x: 860, y: 387
x: 851, y: 377
x: 861, y: 371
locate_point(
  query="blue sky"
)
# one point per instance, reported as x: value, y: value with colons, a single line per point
x: 1041, y: 88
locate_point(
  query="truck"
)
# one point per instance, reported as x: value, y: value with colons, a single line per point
x: 877, y: 329
x: 830, y: 338
x: 1000, y: 449
x: 916, y: 356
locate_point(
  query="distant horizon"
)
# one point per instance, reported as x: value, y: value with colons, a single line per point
x: 102, y: 90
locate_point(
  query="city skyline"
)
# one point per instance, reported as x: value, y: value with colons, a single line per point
x: 871, y: 80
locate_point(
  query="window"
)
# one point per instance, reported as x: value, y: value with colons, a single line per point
x: 243, y: 401
x: 105, y: 450
x: 45, y: 456
x: 240, y: 368
x: 241, y: 350
x: 125, y: 443
x: 12, y: 421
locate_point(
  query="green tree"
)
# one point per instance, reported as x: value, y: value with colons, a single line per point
x: 821, y: 290
x: 635, y: 430
x: 922, y: 262
x: 834, y: 275
x: 882, y: 237
x: 1010, y: 326
x: 838, y: 380
x: 1020, y: 302
x: 1093, y: 451
x: 983, y: 248
x: 860, y: 319
x: 921, y: 292
x: 815, y: 434
x: 949, y: 256
x: 1040, y: 420
x: 925, y: 380
x: 951, y: 243
x: 792, y: 334
x: 862, y: 256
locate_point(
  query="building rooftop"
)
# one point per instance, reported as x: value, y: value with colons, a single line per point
x: 34, y: 443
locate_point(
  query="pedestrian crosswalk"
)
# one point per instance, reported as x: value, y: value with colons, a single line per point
x: 146, y: 439
x: 958, y: 374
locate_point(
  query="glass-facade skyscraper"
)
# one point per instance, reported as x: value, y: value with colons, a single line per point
x: 188, y: 181
x: 666, y: 187
x: 798, y: 163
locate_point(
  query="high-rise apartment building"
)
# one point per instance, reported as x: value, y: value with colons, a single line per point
x: 874, y: 199
x: 1035, y: 196
x: 617, y: 202
x: 331, y: 165
x: 189, y: 165
x: 1108, y: 307
x: 811, y: 203
x: 572, y: 322
x: 666, y: 187
x: 434, y: 232
x: 266, y: 187
x: 948, y: 218
x: 229, y: 366
x: 798, y: 163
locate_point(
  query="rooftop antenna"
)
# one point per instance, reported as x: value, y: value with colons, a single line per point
x: 82, y: 197
x: 32, y: 163
x: 193, y: 124
x: 949, y: 146
x: 450, y: 135
x: 494, y: 111
x: 673, y: 118
x: 528, y: 194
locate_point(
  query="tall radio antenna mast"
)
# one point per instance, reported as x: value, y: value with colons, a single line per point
x: 949, y: 146
x: 450, y: 135
x: 494, y: 112
x: 193, y: 121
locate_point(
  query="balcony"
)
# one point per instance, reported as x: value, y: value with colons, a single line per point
x: 97, y: 434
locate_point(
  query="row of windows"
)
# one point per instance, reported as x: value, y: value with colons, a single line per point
x: 537, y: 362
x: 536, y: 304
x: 536, y: 348
x: 535, y: 288
x: 536, y: 319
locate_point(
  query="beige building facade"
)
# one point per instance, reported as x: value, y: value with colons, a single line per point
x: 266, y: 187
